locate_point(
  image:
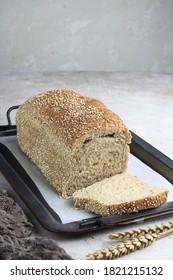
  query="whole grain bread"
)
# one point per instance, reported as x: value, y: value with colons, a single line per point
x: 121, y: 193
x: 74, y: 140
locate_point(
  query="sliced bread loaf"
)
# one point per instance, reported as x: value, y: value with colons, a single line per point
x: 121, y: 193
x: 74, y: 140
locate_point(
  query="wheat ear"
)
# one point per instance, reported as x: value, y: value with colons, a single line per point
x: 123, y: 248
x: 141, y: 231
x: 130, y: 245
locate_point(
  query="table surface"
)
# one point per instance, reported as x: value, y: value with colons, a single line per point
x: 145, y: 104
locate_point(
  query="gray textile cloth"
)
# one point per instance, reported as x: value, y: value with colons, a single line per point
x: 16, y: 242
x: 13, y: 221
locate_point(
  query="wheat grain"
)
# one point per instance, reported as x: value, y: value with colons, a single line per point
x: 133, y: 240
x: 141, y: 231
x: 123, y: 248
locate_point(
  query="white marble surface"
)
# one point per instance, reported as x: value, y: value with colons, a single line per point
x: 144, y: 102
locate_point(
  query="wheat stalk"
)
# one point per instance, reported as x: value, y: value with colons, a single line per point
x: 131, y: 244
x: 141, y: 231
x: 123, y: 248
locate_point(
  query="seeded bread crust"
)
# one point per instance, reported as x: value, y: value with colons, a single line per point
x: 74, y: 140
x: 74, y: 117
x: 98, y: 199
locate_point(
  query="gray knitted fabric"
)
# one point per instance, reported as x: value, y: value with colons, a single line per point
x: 16, y: 241
x: 13, y: 221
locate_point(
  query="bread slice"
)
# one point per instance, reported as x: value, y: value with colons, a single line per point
x: 122, y: 193
x: 74, y: 140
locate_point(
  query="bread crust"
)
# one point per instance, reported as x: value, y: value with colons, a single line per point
x: 74, y: 117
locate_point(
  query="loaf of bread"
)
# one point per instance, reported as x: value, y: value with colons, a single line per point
x: 74, y: 140
x: 121, y: 193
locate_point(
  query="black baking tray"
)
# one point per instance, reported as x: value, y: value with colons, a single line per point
x: 27, y: 190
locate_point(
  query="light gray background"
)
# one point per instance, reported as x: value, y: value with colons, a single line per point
x: 90, y: 35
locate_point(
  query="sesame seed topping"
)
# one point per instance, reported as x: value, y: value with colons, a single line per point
x: 72, y: 115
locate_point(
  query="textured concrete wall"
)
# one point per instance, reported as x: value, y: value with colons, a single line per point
x: 110, y: 35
